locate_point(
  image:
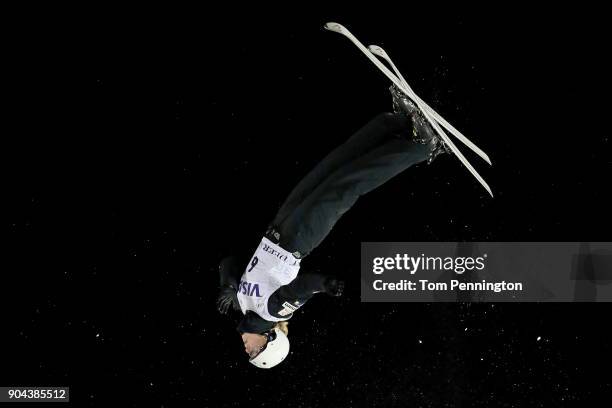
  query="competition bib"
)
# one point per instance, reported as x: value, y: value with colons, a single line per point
x: 270, y: 268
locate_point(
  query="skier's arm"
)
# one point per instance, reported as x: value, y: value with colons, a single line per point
x: 289, y: 298
x: 230, y: 270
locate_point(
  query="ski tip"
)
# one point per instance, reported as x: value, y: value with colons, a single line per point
x: 331, y: 26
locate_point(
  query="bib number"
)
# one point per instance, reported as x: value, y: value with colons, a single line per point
x: 254, y: 262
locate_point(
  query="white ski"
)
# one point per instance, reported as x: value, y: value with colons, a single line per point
x: 376, y: 50
x: 342, y: 30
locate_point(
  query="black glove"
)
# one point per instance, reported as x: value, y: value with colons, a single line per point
x: 227, y: 298
x: 333, y: 286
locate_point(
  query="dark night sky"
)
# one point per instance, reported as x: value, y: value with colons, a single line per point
x: 140, y: 158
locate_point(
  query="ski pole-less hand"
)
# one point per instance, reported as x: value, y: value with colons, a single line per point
x: 227, y: 299
x: 229, y: 274
x: 334, y: 286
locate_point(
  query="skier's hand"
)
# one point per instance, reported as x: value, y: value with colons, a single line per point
x: 226, y: 299
x: 334, y: 286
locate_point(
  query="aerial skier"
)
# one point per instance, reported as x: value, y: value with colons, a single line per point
x: 267, y: 288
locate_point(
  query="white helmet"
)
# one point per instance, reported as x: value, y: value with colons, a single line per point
x: 275, y: 350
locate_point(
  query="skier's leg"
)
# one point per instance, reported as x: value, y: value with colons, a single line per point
x: 373, y: 134
x: 314, y: 218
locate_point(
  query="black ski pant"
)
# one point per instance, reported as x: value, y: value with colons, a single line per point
x: 376, y: 153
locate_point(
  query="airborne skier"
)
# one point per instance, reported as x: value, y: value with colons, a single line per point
x: 267, y: 288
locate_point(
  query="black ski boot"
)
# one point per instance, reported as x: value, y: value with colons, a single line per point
x: 422, y: 132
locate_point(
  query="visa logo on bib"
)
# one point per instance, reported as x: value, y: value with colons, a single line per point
x: 249, y: 289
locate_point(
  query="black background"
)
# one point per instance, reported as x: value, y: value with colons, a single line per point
x: 141, y: 155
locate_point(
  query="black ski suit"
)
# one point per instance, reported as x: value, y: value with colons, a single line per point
x: 373, y: 155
